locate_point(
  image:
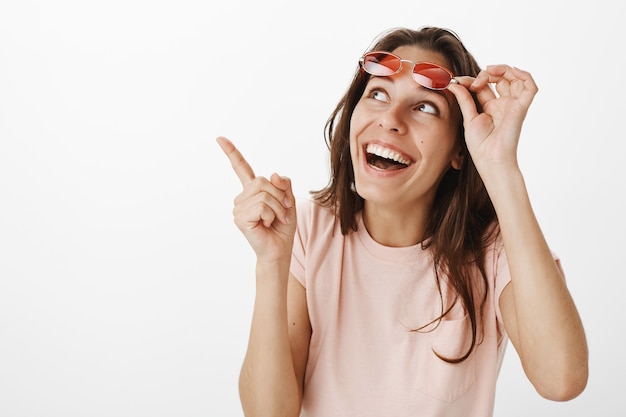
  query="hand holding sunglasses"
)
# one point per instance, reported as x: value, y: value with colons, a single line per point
x: 505, y: 94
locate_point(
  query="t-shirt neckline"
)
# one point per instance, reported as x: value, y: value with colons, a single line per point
x: 406, y: 254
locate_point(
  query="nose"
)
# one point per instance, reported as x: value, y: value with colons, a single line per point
x: 393, y: 120
x: 394, y: 117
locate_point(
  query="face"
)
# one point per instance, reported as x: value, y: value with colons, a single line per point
x: 403, y: 136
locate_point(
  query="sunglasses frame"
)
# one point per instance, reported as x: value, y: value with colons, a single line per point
x: 413, y: 73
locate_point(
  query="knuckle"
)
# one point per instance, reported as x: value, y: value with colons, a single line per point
x: 266, y: 214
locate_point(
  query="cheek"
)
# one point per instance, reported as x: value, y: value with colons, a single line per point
x: 357, y: 124
x: 356, y: 121
x: 441, y: 149
x: 354, y: 148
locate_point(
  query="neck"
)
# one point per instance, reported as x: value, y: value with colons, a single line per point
x: 393, y: 227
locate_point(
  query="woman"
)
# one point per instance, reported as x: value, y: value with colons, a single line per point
x: 395, y: 289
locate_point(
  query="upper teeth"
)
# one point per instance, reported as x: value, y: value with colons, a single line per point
x: 386, y: 153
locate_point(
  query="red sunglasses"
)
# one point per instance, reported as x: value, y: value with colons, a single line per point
x: 426, y: 74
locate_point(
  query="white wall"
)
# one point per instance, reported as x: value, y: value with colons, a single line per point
x: 125, y: 288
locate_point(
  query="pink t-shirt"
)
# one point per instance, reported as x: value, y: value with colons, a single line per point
x: 365, y: 301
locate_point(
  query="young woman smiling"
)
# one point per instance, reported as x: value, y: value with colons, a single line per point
x: 394, y: 290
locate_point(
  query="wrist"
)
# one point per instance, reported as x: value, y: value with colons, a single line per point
x: 508, y: 193
x: 274, y: 269
x: 500, y: 178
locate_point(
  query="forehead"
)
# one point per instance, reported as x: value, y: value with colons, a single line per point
x: 416, y: 54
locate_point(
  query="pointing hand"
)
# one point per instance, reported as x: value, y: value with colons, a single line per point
x: 265, y: 210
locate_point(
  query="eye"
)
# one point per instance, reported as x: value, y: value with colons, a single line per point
x: 378, y: 95
x: 427, y: 108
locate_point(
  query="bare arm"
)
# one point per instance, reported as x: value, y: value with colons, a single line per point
x: 538, y: 311
x: 272, y: 373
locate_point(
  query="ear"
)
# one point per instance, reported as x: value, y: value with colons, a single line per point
x: 457, y: 160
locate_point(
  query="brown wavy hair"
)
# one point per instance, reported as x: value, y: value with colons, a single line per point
x: 461, y: 222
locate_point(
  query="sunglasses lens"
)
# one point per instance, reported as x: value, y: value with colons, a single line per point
x: 431, y: 76
x: 381, y: 63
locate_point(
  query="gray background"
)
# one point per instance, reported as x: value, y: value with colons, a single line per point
x: 126, y: 289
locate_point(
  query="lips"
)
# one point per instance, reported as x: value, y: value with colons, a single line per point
x: 384, y: 158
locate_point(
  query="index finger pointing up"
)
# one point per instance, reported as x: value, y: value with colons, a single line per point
x: 241, y: 167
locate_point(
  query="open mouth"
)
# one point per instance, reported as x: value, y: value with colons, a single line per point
x: 384, y: 158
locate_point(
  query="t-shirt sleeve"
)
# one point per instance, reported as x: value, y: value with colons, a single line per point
x: 298, y: 253
x: 503, y: 274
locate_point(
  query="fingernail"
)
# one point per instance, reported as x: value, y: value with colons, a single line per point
x: 287, y: 202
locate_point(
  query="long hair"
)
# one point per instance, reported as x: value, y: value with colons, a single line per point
x: 458, y: 228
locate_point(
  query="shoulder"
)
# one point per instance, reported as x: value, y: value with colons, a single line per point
x: 317, y: 226
x: 495, y: 251
x: 313, y: 216
x: 317, y: 232
x: 309, y: 205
